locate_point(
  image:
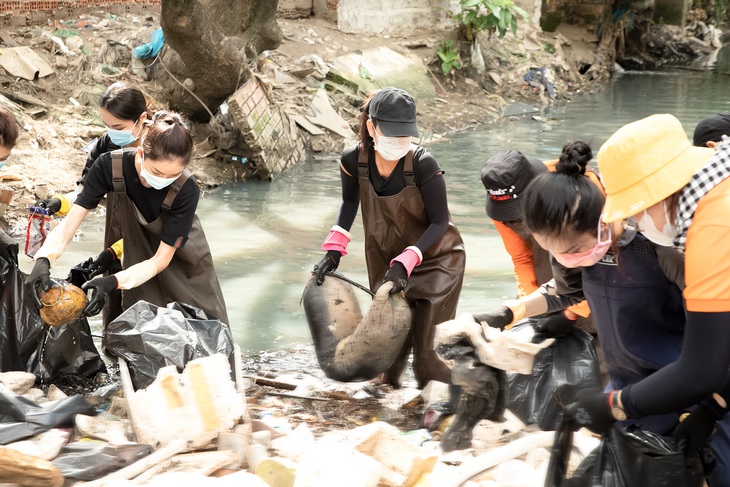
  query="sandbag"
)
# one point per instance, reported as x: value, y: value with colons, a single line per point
x: 150, y: 337
x: 350, y: 347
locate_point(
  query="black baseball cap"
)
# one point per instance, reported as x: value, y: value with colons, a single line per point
x: 505, y: 176
x: 711, y: 129
x: 394, y: 113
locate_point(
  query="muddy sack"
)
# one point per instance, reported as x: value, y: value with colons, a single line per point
x: 350, y: 347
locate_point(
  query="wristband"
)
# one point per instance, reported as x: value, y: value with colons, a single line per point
x: 410, y: 258
x: 519, y: 310
x: 337, y: 239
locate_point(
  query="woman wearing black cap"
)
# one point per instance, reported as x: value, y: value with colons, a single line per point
x: 409, y: 238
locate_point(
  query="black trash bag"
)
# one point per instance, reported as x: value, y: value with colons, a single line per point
x: 22, y: 418
x: 150, y: 337
x: 84, y: 460
x: 28, y: 344
x: 624, y: 458
x: 558, y: 373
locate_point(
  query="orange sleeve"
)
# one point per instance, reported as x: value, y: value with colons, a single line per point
x: 522, y: 258
x: 707, y: 254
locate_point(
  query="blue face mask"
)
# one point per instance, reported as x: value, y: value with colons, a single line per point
x: 122, y: 138
x: 155, y: 181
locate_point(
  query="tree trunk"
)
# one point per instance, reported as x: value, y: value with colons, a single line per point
x: 213, y: 43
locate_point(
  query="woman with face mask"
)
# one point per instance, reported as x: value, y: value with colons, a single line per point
x: 652, y: 173
x: 409, y: 237
x: 123, y: 109
x: 151, y: 202
x: 631, y: 283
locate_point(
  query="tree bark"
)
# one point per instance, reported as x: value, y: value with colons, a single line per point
x: 212, y: 43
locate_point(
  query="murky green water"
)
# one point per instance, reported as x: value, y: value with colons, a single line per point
x: 266, y: 237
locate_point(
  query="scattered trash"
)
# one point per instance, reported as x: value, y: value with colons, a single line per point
x: 150, y: 337
x: 152, y: 48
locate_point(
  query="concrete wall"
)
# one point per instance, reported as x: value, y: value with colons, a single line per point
x: 389, y: 16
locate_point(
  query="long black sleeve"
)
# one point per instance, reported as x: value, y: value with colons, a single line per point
x: 433, y: 192
x: 350, y: 200
x: 700, y: 370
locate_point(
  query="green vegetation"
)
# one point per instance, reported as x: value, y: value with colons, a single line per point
x: 549, y: 47
x: 488, y: 16
x: 449, y: 56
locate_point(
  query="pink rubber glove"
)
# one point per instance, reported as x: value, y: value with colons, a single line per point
x: 337, y: 240
x: 410, y: 258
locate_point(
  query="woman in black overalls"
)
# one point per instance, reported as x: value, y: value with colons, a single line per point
x: 151, y: 202
x: 409, y: 237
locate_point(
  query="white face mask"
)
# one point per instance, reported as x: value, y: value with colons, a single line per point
x: 664, y: 237
x: 155, y: 181
x: 392, y: 148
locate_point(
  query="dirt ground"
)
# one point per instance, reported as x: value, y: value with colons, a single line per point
x: 59, y: 113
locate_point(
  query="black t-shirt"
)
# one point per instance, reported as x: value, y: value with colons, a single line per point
x: 179, y: 219
x: 424, y: 168
x: 96, y: 148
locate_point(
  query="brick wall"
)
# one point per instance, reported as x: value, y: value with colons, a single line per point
x: 30, y: 12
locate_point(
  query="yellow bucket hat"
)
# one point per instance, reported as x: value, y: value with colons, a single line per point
x: 645, y: 162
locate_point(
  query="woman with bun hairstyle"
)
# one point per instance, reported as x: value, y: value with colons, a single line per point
x: 151, y: 203
x: 633, y: 285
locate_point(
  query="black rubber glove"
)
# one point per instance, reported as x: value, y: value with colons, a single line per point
x: 592, y: 410
x: 8, y: 248
x: 39, y: 276
x: 694, y: 432
x: 398, y: 275
x: 498, y: 318
x: 328, y: 263
x: 102, y: 262
x: 101, y: 288
x: 554, y: 326
x: 52, y: 205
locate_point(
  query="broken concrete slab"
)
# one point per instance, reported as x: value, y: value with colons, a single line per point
x: 24, y: 62
x: 326, y: 116
x: 381, y: 66
x: 307, y: 125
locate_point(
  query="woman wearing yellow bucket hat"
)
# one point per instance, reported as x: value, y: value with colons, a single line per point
x: 680, y: 195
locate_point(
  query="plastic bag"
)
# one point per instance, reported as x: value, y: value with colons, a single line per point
x: 558, y: 372
x: 22, y: 418
x: 86, y: 460
x: 39, y: 225
x: 28, y: 344
x: 149, y: 337
x: 624, y: 458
